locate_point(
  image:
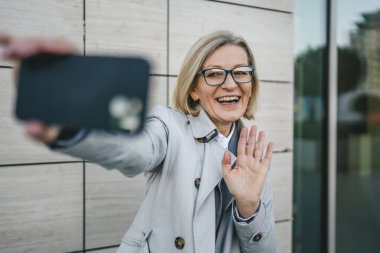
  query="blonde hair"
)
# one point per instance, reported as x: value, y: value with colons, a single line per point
x: 193, y: 62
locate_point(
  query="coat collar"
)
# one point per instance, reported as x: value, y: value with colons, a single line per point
x: 203, y: 128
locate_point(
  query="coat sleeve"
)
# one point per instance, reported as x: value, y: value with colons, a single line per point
x: 258, y: 236
x: 131, y: 155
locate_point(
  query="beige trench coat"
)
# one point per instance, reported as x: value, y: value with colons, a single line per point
x: 176, y: 216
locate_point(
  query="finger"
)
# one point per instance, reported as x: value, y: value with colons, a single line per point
x: 19, y: 49
x: 41, y: 132
x: 260, y: 146
x: 33, y: 128
x: 16, y: 69
x: 268, y: 153
x: 242, y: 142
x: 30, y: 47
x: 58, y: 47
x: 226, y: 163
x: 5, y: 39
x: 251, y: 141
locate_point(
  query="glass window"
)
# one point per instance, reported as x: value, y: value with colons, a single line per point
x: 309, y: 121
x: 358, y: 168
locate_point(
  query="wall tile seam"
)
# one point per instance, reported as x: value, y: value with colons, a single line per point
x: 252, y: 6
x: 275, y: 152
x: 116, y: 246
x: 276, y: 81
x: 167, y: 51
x: 283, y: 151
x: 38, y: 163
x: 95, y: 249
x: 175, y: 76
x: 84, y: 200
x: 84, y: 27
x: 152, y: 74
x: 284, y: 220
x: 261, y: 80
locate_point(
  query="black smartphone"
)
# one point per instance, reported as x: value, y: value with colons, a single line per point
x: 84, y: 92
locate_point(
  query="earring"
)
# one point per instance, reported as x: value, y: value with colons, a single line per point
x: 193, y: 102
x: 195, y: 99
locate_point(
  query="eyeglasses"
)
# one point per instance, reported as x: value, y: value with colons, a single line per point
x: 217, y: 76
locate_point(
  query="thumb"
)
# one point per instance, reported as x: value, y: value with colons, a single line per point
x: 41, y: 132
x: 226, y: 163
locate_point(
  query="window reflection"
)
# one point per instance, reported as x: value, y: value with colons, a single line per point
x: 309, y: 84
x: 358, y: 178
x: 358, y: 121
x: 308, y: 155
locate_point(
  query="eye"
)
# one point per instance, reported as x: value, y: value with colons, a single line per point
x: 213, y: 73
x: 242, y: 74
x: 242, y: 71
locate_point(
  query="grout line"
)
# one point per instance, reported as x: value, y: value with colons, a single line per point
x: 167, y: 65
x: 284, y: 220
x: 167, y: 51
x: 261, y: 80
x: 84, y: 206
x: 276, y: 81
x: 106, y: 247
x: 41, y: 163
x: 251, y: 6
x: 84, y: 27
x: 93, y: 249
x: 284, y: 151
x: 163, y: 75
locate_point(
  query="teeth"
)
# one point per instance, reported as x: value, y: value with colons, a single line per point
x: 228, y: 99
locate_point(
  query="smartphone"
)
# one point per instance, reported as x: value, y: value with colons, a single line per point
x: 84, y: 91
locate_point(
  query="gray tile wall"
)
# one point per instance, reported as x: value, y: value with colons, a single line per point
x: 55, y: 203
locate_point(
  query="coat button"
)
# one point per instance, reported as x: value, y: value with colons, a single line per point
x: 197, y: 182
x: 179, y: 242
x: 257, y: 237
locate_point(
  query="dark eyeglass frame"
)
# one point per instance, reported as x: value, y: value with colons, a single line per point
x: 227, y: 71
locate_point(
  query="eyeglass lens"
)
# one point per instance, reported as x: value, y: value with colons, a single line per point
x: 217, y: 76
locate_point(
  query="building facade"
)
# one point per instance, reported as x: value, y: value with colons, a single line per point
x: 55, y: 203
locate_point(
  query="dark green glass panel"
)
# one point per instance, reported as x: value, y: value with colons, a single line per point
x: 358, y: 168
x: 309, y: 119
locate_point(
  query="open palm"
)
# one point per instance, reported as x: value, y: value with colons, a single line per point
x: 246, y: 180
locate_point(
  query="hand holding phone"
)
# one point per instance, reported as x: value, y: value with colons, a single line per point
x: 16, y: 49
x: 89, y: 92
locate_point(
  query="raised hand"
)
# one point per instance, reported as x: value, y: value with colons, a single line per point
x: 246, y: 181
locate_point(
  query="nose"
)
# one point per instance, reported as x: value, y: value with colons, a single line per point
x: 229, y: 83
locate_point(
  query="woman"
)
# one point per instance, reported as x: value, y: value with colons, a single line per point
x: 207, y: 186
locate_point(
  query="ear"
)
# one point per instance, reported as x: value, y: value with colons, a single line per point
x: 194, y: 95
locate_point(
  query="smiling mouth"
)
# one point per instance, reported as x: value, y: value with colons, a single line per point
x: 228, y: 100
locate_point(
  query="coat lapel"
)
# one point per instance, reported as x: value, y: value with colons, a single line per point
x: 205, y: 131
x: 212, y: 172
